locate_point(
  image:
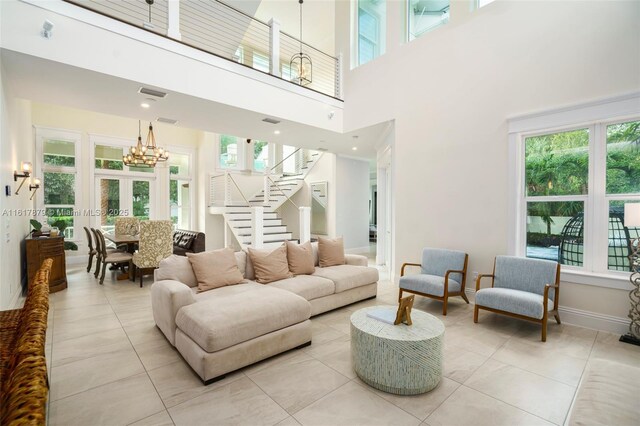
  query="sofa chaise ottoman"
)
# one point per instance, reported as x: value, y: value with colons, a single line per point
x: 227, y: 328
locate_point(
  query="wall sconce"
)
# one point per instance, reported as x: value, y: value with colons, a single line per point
x: 25, y: 167
x: 34, y: 187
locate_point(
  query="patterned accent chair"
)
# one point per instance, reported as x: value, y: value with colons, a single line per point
x: 522, y: 288
x: 156, y: 243
x: 443, y: 275
x: 127, y: 225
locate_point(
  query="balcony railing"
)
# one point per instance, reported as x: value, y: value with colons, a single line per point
x: 219, y: 29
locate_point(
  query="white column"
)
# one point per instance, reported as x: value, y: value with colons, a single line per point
x: 305, y: 224
x: 257, y: 227
x: 227, y: 188
x: 173, y: 19
x: 274, y: 47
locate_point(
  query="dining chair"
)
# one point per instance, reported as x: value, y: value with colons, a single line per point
x: 127, y: 225
x: 156, y: 243
x: 114, y: 257
x: 100, y: 243
x: 92, y: 251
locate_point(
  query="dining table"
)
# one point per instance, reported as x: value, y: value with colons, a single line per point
x: 120, y: 239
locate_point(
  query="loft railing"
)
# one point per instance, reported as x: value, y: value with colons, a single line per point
x: 219, y: 29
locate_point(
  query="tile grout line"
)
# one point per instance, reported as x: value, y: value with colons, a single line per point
x: 354, y: 381
x: 575, y: 392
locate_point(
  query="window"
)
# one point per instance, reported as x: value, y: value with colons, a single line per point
x: 260, y: 62
x: 483, y: 3
x: 574, y: 184
x: 60, y: 180
x: 371, y: 24
x: 426, y: 15
x: 229, y: 157
x: 260, y: 155
x: 180, y: 190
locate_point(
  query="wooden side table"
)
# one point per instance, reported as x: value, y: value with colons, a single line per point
x: 41, y: 248
x: 399, y: 359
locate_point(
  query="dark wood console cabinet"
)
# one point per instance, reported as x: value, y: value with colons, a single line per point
x: 39, y: 249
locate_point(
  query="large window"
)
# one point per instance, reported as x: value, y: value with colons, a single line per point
x: 426, y: 15
x: 371, y: 24
x: 229, y: 152
x: 58, y: 150
x: 575, y: 183
x: 243, y: 154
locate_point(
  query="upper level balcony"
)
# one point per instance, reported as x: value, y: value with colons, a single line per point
x: 219, y: 29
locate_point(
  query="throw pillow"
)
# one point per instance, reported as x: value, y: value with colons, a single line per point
x: 213, y: 269
x: 300, y: 258
x: 270, y: 266
x: 330, y: 251
x: 176, y: 268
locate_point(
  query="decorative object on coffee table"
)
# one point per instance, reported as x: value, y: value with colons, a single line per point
x: 399, y: 359
x: 404, y: 311
x: 632, y: 219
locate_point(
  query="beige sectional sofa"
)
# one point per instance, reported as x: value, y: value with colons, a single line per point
x: 227, y: 328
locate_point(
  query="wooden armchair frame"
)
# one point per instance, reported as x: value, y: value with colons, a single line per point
x: 545, y: 300
x: 446, y: 294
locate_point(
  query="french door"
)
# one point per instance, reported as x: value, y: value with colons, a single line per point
x: 123, y: 196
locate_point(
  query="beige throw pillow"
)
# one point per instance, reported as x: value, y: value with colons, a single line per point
x: 300, y: 258
x: 330, y: 251
x: 217, y: 268
x: 270, y: 266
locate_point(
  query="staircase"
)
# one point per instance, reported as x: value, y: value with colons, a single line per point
x: 281, y: 182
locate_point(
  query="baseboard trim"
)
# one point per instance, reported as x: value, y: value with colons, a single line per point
x: 587, y: 319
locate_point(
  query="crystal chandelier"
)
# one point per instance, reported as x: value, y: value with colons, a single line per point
x: 146, y: 155
x: 300, y: 63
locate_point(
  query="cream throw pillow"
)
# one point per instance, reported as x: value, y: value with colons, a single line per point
x: 330, y: 251
x: 300, y: 258
x: 270, y: 266
x: 217, y: 268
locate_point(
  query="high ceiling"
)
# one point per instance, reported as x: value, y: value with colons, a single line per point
x: 51, y: 82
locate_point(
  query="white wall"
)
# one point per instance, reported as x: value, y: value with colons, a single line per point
x: 451, y: 92
x: 16, y: 145
x: 352, y: 202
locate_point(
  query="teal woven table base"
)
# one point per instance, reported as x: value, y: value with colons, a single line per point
x: 399, y: 359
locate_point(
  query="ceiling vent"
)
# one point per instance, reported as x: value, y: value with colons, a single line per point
x: 271, y: 120
x: 166, y: 120
x: 322, y: 149
x: 152, y: 92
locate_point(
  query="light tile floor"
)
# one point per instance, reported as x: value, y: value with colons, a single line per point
x: 110, y: 365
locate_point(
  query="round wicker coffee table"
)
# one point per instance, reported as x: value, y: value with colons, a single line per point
x: 399, y: 359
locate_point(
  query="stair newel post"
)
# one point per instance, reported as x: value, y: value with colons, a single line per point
x: 173, y: 19
x: 267, y: 187
x: 305, y: 224
x: 257, y: 227
x: 227, y: 188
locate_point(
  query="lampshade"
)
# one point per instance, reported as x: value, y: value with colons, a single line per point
x: 632, y: 215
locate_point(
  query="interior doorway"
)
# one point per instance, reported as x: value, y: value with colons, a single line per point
x: 384, y: 210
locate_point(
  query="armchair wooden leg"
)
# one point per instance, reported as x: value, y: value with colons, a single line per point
x: 399, y: 295
x: 464, y: 296
x: 557, y: 317
x: 475, y: 313
x: 90, y: 262
x: 544, y: 326
x: 141, y: 276
x: 444, y: 306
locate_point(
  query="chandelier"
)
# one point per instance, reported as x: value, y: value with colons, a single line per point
x: 146, y: 155
x: 301, y: 62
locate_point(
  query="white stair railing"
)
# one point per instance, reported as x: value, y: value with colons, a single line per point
x: 225, y: 191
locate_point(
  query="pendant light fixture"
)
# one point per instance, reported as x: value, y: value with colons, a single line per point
x: 300, y: 63
x: 147, y: 155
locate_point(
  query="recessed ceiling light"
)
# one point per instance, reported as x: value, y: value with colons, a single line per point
x: 145, y: 105
x: 277, y: 132
x: 355, y: 148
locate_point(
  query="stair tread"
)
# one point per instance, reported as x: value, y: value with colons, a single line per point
x: 266, y: 233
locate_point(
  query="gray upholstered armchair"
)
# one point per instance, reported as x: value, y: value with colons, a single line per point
x: 443, y: 274
x: 522, y: 288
